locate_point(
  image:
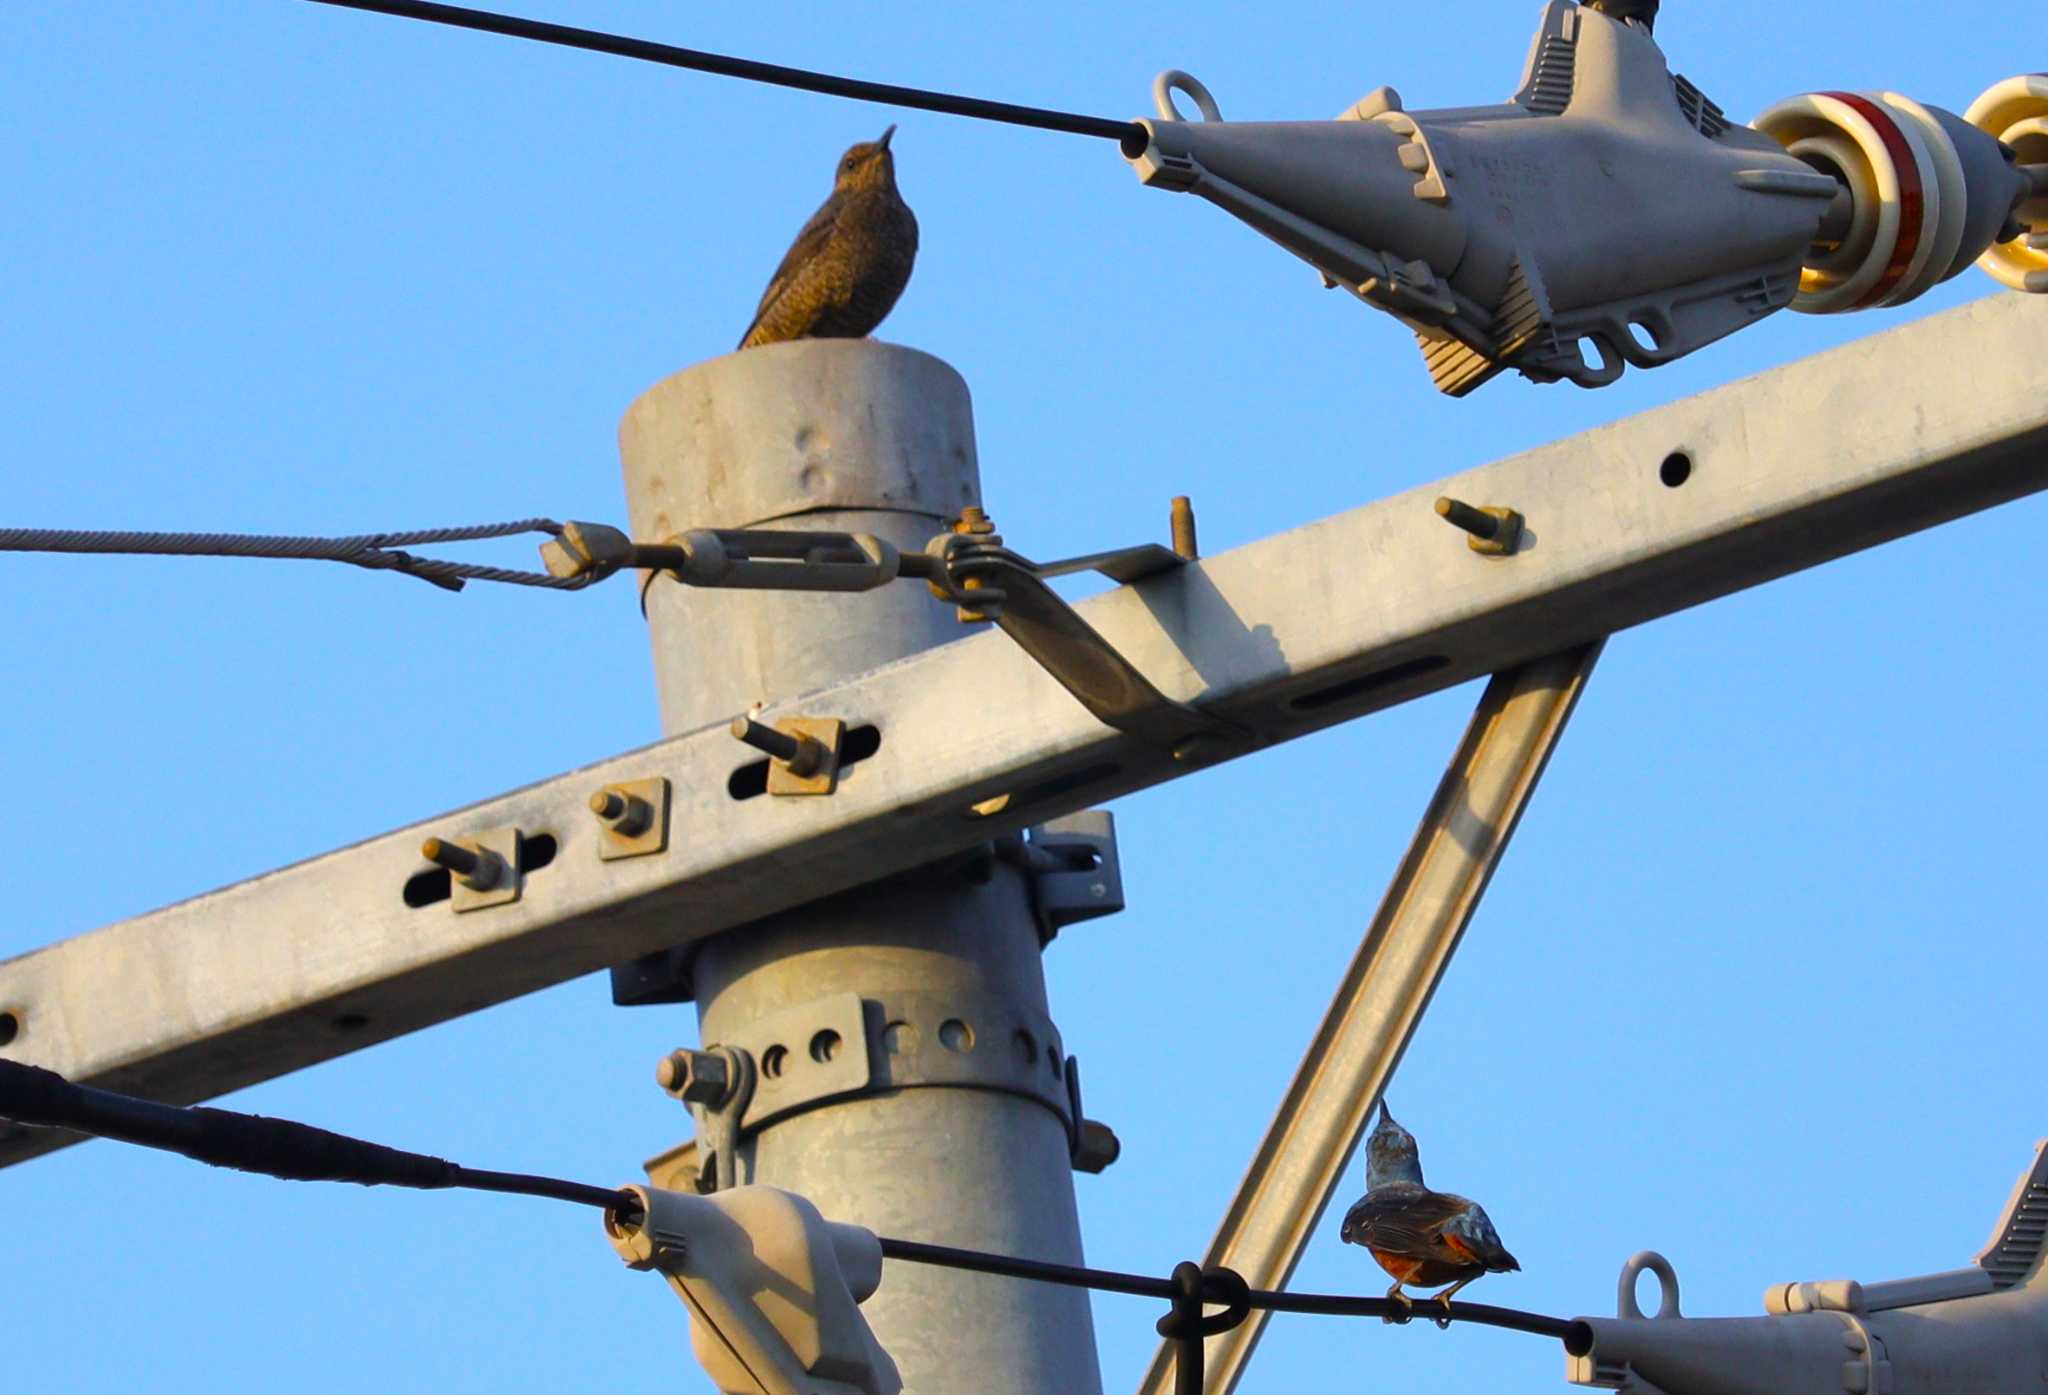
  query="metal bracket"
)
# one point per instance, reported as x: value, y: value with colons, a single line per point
x: 634, y: 818
x: 717, y: 1085
x: 1127, y: 565
x: 811, y: 1052
x: 1092, y: 1146
x: 982, y: 574
x: 1074, y: 869
x: 844, y: 1045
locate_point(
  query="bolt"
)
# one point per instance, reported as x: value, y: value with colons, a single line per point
x: 479, y: 869
x: 627, y: 815
x: 1184, y: 528
x: 1462, y: 515
x: 1096, y: 1148
x: 1495, y: 532
x: 804, y: 755
x: 974, y: 521
x: 695, y: 1077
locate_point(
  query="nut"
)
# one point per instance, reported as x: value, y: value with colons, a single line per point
x: 695, y: 1077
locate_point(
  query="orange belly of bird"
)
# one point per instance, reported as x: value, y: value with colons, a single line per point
x: 1425, y: 1272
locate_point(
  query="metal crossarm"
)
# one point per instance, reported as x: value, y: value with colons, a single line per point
x: 1282, y: 637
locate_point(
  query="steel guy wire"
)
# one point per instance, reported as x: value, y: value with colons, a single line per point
x: 376, y: 551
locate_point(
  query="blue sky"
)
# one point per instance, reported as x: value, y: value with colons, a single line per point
x: 1755, y: 985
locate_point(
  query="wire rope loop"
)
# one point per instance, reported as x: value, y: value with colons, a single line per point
x: 1195, y: 1288
x: 1184, y: 1320
x: 1227, y: 1287
x: 1174, y: 80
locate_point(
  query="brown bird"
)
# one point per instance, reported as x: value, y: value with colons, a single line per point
x: 1417, y: 1235
x: 844, y: 271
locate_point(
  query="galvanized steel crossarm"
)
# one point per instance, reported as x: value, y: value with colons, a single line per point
x: 1282, y: 637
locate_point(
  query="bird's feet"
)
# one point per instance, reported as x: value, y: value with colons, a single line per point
x: 1402, y: 1318
x: 1443, y: 1300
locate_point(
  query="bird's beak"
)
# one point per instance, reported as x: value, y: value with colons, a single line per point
x: 884, y: 141
x: 1386, y: 1114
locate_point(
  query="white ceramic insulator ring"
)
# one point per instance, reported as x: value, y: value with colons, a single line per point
x: 1948, y: 199
x: 1885, y: 162
x: 2016, y: 111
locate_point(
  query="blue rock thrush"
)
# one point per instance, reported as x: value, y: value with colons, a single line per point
x: 1417, y: 1235
x: 852, y: 260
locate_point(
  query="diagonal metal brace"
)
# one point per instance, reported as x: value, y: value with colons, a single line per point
x: 1011, y: 591
x: 1383, y: 994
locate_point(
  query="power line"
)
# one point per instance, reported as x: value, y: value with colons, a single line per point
x: 669, y: 55
x: 301, y: 1153
x: 1144, y: 1286
x: 252, y: 1143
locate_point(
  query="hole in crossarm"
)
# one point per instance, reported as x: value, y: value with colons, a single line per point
x: 536, y: 852
x: 749, y: 780
x: 10, y: 1027
x: 858, y: 744
x: 824, y: 1046
x: 1676, y: 469
x: 426, y: 888
x: 349, y: 1023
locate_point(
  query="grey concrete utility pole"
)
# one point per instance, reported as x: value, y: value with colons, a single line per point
x: 906, y: 1074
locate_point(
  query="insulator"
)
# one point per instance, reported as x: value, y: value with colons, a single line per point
x: 1928, y: 194
x: 2016, y: 113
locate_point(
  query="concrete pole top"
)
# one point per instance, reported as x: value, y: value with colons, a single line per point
x: 812, y: 426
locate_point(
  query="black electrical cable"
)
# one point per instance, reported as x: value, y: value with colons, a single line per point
x: 302, y: 1153
x: 1071, y: 1276
x: 1576, y: 1336
x: 251, y: 1143
x: 646, y: 51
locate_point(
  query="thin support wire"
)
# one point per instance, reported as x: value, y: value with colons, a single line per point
x: 376, y: 551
